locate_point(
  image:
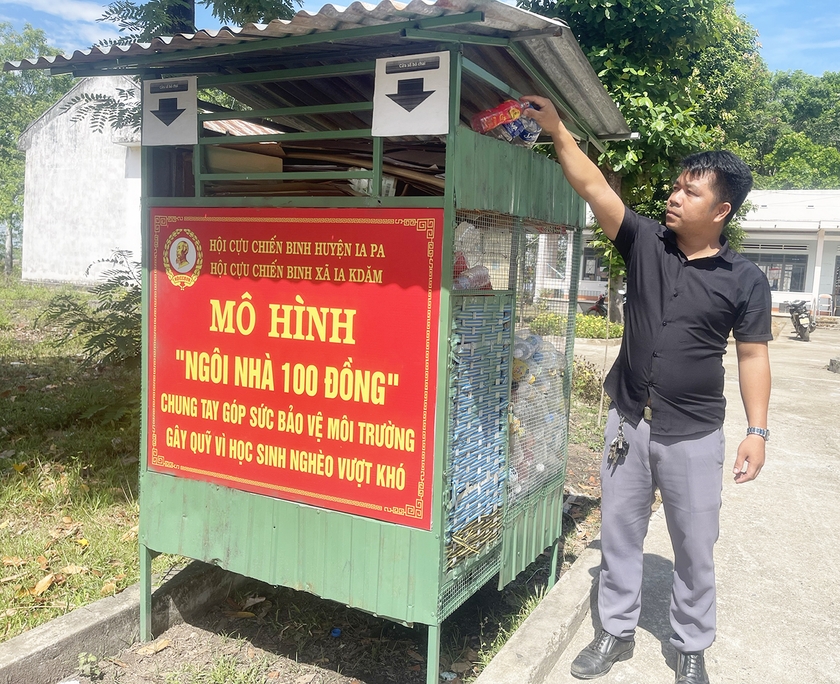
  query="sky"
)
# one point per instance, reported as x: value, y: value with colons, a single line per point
x: 803, y: 34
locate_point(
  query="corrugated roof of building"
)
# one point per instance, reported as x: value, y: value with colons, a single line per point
x: 793, y: 210
x: 547, y: 43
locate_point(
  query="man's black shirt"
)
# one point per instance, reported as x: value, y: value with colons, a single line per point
x: 678, y: 316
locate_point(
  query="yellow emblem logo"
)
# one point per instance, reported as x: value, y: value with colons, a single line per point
x: 182, y: 257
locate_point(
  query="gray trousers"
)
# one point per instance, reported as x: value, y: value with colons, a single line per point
x: 689, y: 473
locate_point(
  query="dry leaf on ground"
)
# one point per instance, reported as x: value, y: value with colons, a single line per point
x: 73, y: 570
x: 12, y: 578
x: 14, y: 561
x: 131, y: 534
x: 155, y: 647
x: 108, y: 588
x: 254, y: 600
x: 305, y: 679
x: 43, y: 584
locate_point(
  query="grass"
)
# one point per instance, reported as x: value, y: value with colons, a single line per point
x: 226, y: 669
x: 584, y: 427
x: 69, y: 438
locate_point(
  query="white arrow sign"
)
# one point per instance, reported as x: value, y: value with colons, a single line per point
x: 170, y: 111
x: 411, y: 95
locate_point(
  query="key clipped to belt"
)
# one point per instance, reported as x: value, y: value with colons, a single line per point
x: 619, y: 446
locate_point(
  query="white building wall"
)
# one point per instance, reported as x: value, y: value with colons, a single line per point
x: 82, y: 194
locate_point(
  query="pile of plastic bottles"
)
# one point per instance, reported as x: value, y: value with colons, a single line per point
x: 538, y: 413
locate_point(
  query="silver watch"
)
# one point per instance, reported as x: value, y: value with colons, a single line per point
x: 761, y: 432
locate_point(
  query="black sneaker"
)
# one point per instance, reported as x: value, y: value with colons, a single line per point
x: 691, y: 669
x: 597, y: 658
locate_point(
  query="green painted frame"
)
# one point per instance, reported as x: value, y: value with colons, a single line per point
x: 325, y: 552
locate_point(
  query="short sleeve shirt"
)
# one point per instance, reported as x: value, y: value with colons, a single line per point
x: 678, y: 317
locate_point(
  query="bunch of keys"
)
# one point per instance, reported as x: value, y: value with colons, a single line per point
x: 619, y: 446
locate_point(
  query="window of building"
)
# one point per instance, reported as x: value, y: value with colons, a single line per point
x: 594, y: 267
x: 785, y: 272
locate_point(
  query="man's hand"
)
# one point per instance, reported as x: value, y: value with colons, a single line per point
x: 585, y: 178
x: 750, y: 459
x: 543, y: 113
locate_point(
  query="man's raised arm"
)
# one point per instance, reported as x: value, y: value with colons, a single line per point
x: 583, y: 175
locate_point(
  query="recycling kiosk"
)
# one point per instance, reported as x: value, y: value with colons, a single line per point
x: 358, y: 312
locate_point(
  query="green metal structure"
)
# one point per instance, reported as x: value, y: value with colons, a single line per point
x: 313, y: 88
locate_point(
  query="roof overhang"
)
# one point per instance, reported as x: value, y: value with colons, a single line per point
x: 505, y: 48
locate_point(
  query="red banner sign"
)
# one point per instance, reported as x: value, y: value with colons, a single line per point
x: 293, y: 353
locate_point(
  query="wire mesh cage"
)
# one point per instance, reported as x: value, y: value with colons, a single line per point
x: 508, y: 377
x: 539, y: 388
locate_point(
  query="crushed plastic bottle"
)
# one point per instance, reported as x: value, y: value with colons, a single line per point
x: 474, y: 278
x: 523, y: 131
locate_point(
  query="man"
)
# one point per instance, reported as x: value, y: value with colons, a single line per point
x: 686, y: 291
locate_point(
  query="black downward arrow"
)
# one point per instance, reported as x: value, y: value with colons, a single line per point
x: 410, y: 93
x: 168, y: 110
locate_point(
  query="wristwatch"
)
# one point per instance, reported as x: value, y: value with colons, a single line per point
x: 761, y: 432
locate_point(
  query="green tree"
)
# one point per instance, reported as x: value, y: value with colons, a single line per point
x: 645, y: 52
x: 678, y: 72
x: 799, y: 163
x: 143, y: 21
x: 24, y: 96
x: 795, y: 141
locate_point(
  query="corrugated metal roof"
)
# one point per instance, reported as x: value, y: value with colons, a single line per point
x: 793, y: 210
x: 548, y: 43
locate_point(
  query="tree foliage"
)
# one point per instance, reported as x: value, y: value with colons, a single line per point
x: 108, y: 111
x: 110, y: 329
x: 646, y: 53
x: 683, y: 74
x: 140, y: 22
x: 24, y: 96
x: 794, y: 142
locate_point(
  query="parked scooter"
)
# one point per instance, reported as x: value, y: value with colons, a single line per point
x: 802, y: 319
x: 599, y: 308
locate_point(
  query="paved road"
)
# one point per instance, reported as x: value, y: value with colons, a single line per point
x: 778, y: 559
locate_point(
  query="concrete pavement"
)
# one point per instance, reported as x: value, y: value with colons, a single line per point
x: 777, y: 558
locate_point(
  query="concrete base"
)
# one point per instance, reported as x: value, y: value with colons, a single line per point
x: 534, y: 649
x: 45, y: 654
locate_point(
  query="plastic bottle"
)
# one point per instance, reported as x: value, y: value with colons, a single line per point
x: 522, y: 131
x: 474, y: 278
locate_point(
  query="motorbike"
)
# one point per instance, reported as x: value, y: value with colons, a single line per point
x: 599, y: 308
x: 802, y: 319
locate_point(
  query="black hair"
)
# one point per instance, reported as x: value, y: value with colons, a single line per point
x: 732, y: 179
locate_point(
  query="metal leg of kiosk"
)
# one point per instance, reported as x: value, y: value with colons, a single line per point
x: 146, y: 555
x: 555, y: 554
x: 433, y: 655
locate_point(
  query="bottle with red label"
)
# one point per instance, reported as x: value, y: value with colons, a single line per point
x: 509, y: 110
x: 506, y: 121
